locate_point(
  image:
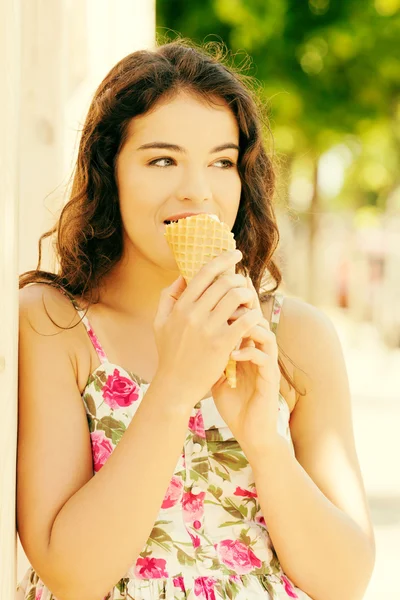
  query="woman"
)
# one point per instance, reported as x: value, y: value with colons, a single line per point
x: 200, y: 490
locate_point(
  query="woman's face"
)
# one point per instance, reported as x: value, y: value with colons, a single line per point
x: 193, y: 176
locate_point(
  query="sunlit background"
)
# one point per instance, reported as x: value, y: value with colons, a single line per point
x: 329, y: 76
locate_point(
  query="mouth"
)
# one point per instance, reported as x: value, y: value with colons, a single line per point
x: 169, y: 222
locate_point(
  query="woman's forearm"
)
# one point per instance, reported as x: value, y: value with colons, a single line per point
x: 321, y: 549
x: 100, y: 531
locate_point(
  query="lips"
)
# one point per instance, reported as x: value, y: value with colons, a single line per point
x: 175, y: 218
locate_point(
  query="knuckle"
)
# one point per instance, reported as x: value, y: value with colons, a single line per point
x: 210, y: 269
x: 239, y: 294
x: 254, y: 316
x: 236, y: 280
x: 180, y: 308
x: 191, y: 318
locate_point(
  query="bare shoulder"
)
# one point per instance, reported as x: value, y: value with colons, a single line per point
x: 54, y: 453
x: 42, y: 304
x: 304, y: 335
x: 305, y: 332
x: 48, y: 316
x: 321, y: 424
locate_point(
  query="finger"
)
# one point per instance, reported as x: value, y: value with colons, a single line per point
x: 247, y: 342
x: 260, y: 335
x: 263, y: 339
x: 253, y: 354
x: 238, y: 313
x: 264, y: 325
x: 256, y: 303
x: 267, y: 367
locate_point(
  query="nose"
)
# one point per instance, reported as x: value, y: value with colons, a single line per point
x: 194, y: 185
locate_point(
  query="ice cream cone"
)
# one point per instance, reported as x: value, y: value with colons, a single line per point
x: 194, y: 241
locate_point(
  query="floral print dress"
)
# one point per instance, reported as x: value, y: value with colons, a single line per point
x: 210, y: 540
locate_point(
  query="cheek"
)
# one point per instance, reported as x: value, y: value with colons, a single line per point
x: 228, y: 193
x: 136, y: 197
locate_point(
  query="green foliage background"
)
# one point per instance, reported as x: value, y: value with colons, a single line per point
x: 330, y: 72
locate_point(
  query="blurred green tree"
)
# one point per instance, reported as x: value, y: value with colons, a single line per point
x: 330, y: 75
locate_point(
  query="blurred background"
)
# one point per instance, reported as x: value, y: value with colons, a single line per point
x: 328, y: 74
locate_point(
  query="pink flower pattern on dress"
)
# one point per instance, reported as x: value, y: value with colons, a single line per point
x: 119, y: 391
x: 181, y: 545
x: 38, y: 594
x: 179, y: 583
x: 174, y: 492
x: 196, y: 424
x: 245, y: 493
x: 237, y: 556
x: 95, y: 341
x: 204, y: 588
x: 193, y: 506
x: 101, y: 449
x: 288, y: 587
x: 148, y: 567
x: 261, y: 520
x: 195, y: 539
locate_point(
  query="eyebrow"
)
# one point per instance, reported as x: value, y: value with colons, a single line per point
x: 175, y: 148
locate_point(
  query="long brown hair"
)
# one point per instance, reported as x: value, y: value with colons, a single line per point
x: 88, y: 232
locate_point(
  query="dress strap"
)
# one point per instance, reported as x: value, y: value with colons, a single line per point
x: 276, y: 311
x: 93, y: 337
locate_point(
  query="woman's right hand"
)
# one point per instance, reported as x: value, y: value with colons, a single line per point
x: 192, y: 333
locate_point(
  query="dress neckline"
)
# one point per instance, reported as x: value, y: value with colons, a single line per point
x: 140, y: 381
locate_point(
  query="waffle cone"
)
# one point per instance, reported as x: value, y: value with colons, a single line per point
x: 195, y: 241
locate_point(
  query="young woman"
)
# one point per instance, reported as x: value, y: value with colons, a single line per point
x: 141, y: 473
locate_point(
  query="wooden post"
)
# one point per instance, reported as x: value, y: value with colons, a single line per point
x: 9, y: 108
x: 68, y: 46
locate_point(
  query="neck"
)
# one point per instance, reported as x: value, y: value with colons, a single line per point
x: 133, y: 287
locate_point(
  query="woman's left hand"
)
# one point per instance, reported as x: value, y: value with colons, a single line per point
x: 251, y: 409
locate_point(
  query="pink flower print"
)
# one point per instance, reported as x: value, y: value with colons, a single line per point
x: 196, y: 424
x: 173, y: 493
x: 204, y: 587
x: 288, y: 587
x: 119, y: 391
x: 235, y: 578
x: 150, y: 568
x: 261, y: 521
x: 245, y: 493
x: 192, y: 506
x: 101, y: 448
x: 38, y: 594
x: 95, y: 342
x: 237, y: 556
x: 197, y: 524
x: 178, y: 582
x: 195, y: 538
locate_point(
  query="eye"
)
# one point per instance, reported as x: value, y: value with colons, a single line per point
x: 157, y: 160
x: 229, y: 164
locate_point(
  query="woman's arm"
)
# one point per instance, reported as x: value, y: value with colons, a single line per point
x: 315, y: 504
x: 81, y: 532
